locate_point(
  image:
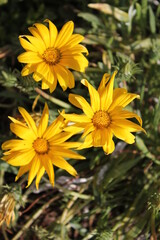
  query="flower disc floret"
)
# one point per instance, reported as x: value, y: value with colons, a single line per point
x: 41, y: 145
x: 52, y: 56
x: 101, y: 119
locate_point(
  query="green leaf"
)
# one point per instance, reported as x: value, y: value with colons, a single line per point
x: 95, y: 21
x: 152, y: 20
x: 110, y: 10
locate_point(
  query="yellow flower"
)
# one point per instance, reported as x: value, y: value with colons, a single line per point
x: 40, y: 147
x: 7, y: 204
x: 105, y: 116
x: 49, y: 54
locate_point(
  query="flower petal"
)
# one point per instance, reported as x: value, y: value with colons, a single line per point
x: 63, y: 164
x: 58, y: 151
x: 122, y: 114
x: 35, y: 165
x: 74, y: 40
x: 76, y: 62
x: 16, y: 145
x: 47, y: 163
x: 64, y: 34
x: 20, y: 158
x: 22, y: 132
x: 27, y: 45
x: 123, y: 134
x: 77, y: 118
x: 128, y: 125
x: 54, y: 128
x: 23, y: 170
x: 109, y: 146
x: 103, y: 83
x: 94, y: 95
x: 29, y: 57
x: 123, y: 100
x: 52, y: 32
x: 44, y: 33
x: 106, y: 96
x: 29, y: 120
x: 37, y: 43
x: 62, y: 76
x: 28, y: 69
x: 44, y: 121
x: 88, y: 142
x: 82, y: 103
x: 39, y: 175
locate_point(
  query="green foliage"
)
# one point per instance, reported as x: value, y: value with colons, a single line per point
x: 116, y: 196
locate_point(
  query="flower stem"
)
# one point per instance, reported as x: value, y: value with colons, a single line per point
x: 52, y: 99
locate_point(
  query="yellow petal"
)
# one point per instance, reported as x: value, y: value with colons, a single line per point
x: 27, y: 45
x: 21, y: 158
x: 128, y: 125
x: 66, y: 51
x: 109, y: 148
x: 35, y: 165
x: 107, y: 94
x: 94, y: 95
x: 44, y: 33
x: 54, y: 128
x: 63, y: 164
x: 35, y: 33
x: 87, y: 143
x: 45, y: 84
x: 42, y: 69
x: 56, y: 151
x: 60, y: 138
x: 23, y: 170
x: 77, y: 118
x: 122, y: 114
x: 64, y: 34
x: 74, y: 40
x: 29, y: 57
x: 62, y: 76
x: 39, y: 175
x: 22, y: 132
x: 123, y: 100
x: 99, y: 137
x: 28, y: 69
x: 52, y: 32
x: 16, y: 121
x: 89, y: 128
x: 37, y: 43
x: 76, y: 62
x: 70, y: 80
x: 29, y: 120
x: 47, y: 163
x: 17, y: 145
x: 44, y: 121
x: 103, y: 83
x: 123, y: 134
x: 79, y: 101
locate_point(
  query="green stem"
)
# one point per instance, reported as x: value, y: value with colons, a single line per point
x: 52, y: 99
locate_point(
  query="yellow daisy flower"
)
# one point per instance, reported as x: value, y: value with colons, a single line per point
x: 50, y: 54
x: 105, y: 116
x: 40, y: 147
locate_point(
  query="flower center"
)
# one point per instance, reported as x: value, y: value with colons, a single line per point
x: 51, y: 55
x: 41, y: 145
x: 101, y: 119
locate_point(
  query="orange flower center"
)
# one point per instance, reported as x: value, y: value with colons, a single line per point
x: 41, y: 146
x: 51, y: 55
x: 101, y: 119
